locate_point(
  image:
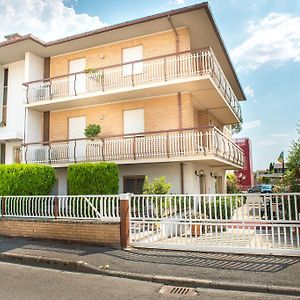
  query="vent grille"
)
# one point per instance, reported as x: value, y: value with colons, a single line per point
x: 178, y: 291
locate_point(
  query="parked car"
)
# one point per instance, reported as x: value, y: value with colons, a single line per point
x: 261, y: 188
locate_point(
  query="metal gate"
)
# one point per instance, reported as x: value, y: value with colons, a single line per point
x: 249, y: 223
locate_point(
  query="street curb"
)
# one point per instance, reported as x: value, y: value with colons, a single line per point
x: 84, y: 267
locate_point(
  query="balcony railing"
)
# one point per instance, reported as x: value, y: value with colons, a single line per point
x: 148, y: 71
x: 154, y: 146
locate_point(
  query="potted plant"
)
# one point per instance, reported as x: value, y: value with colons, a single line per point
x: 94, y: 74
x: 197, y: 229
x: 92, y: 130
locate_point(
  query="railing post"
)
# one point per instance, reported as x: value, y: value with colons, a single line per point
x: 124, y: 220
x: 27, y: 92
x: 165, y: 68
x: 75, y: 144
x: 56, y: 207
x: 132, y: 75
x: 75, y: 78
x: 49, y: 153
x: 102, y: 80
x: 50, y: 89
x: 134, y: 147
x: 168, y: 145
x: 103, y: 149
x: 3, y: 207
x: 25, y: 154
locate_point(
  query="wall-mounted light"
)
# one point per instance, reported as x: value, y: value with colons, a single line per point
x: 101, y: 117
x: 215, y: 175
x: 200, y: 173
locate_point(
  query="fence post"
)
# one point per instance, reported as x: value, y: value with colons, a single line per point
x: 124, y: 220
x: 3, y: 206
x: 56, y: 207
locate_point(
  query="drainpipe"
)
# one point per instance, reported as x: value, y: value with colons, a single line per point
x: 175, y: 32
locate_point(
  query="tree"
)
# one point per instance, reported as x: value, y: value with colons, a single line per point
x: 271, y: 168
x: 158, y: 186
x: 233, y: 184
x: 292, y: 175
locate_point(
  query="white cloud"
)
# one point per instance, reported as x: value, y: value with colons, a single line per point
x: 178, y: 2
x: 249, y: 91
x: 251, y: 124
x: 273, y: 39
x: 46, y: 19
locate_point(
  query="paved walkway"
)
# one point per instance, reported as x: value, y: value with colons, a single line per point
x: 267, y: 270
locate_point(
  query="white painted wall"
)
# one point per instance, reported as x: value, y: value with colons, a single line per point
x: 34, y: 67
x: 34, y: 70
x: 34, y: 126
x: 15, y: 102
x: 170, y: 170
x: 61, y: 176
x: 9, y: 152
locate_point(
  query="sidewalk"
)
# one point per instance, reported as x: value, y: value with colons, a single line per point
x: 213, y: 267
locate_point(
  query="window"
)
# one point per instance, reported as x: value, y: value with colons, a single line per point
x: 133, y: 121
x: 132, y: 54
x: 133, y: 184
x: 5, y: 93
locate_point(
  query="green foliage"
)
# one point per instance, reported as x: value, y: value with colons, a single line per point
x: 93, y: 179
x: 292, y: 175
x: 233, y: 185
x: 158, y: 186
x: 222, y: 207
x: 271, y: 168
x: 92, y: 130
x: 29, y: 179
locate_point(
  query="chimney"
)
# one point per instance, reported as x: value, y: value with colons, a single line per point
x: 12, y: 37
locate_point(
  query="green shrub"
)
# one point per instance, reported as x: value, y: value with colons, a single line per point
x: 158, y: 186
x: 92, y: 130
x: 222, y: 207
x: 93, y: 179
x: 29, y: 179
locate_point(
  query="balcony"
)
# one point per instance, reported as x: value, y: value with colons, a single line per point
x: 206, y: 144
x: 196, y: 71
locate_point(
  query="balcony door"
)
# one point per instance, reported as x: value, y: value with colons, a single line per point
x: 77, y: 149
x: 77, y: 83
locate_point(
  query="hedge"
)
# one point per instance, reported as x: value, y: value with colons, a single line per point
x: 93, y: 179
x: 29, y: 179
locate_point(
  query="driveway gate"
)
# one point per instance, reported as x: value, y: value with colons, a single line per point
x: 251, y: 223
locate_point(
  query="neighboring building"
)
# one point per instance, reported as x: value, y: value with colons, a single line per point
x: 245, y: 175
x: 270, y: 177
x: 162, y: 88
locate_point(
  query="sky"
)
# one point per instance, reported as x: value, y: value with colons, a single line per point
x: 261, y: 36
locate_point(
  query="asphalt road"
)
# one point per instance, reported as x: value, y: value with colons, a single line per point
x: 23, y: 282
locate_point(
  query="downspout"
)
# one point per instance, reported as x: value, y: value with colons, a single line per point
x: 175, y: 32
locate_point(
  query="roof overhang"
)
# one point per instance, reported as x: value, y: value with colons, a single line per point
x: 197, y: 18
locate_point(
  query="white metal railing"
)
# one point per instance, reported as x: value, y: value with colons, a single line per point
x: 246, y: 222
x: 85, y: 207
x: 165, y: 144
x: 157, y: 69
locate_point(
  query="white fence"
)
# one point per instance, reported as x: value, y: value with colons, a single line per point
x: 101, y: 208
x: 241, y: 223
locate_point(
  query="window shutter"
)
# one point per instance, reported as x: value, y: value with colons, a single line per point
x: 132, y: 54
x: 134, y: 121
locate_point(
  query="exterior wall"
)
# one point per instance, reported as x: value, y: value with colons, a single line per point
x: 172, y: 173
x: 160, y: 114
x: 107, y: 234
x: 15, y: 102
x: 10, y: 152
x: 34, y: 126
x: 205, y: 118
x: 111, y: 54
x: 170, y: 170
x: 34, y: 67
x: 61, y: 185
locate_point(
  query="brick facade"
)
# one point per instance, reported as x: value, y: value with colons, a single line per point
x: 154, y: 45
x: 107, y: 234
x: 161, y: 113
